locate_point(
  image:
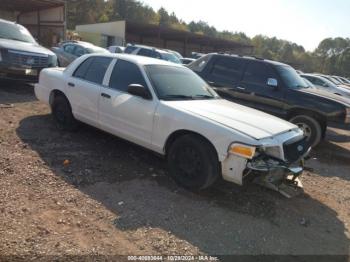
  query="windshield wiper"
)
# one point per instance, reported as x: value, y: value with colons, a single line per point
x: 177, y: 97
x: 203, y: 96
x: 300, y: 86
x: 193, y: 97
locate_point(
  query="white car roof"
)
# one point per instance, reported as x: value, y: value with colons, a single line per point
x: 140, y: 60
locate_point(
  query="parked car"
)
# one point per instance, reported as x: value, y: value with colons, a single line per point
x: 275, y: 88
x: 170, y: 110
x: 345, y: 80
x: 196, y: 55
x: 21, y: 57
x: 326, y: 85
x: 68, y: 51
x: 332, y: 79
x: 342, y: 80
x: 152, y: 52
x: 116, y: 49
x: 187, y: 61
x: 177, y: 54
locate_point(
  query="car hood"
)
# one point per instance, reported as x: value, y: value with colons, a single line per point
x: 23, y: 46
x: 248, y: 121
x: 325, y: 94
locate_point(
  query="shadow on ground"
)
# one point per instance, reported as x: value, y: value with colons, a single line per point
x: 12, y: 92
x: 133, y: 184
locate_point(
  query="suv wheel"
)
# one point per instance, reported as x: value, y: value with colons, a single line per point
x: 193, y: 162
x: 311, y: 127
x: 62, y: 113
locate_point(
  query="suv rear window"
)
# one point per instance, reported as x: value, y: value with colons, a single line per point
x: 200, y: 63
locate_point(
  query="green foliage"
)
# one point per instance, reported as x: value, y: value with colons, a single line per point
x: 332, y: 56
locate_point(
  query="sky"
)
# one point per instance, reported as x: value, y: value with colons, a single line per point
x: 305, y: 22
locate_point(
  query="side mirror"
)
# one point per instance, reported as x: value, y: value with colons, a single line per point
x: 272, y: 82
x: 139, y: 90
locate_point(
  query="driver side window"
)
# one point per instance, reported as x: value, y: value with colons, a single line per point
x: 125, y: 74
x: 258, y: 73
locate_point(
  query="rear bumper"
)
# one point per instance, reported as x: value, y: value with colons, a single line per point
x: 19, y: 74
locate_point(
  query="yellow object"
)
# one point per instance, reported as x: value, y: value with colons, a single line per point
x: 243, y: 150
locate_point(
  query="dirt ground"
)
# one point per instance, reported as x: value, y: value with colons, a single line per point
x: 115, y: 198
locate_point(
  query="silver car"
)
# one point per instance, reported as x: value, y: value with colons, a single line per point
x: 68, y: 51
x: 323, y: 83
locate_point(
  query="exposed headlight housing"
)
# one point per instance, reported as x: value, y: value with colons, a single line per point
x: 241, y: 150
x: 274, y: 151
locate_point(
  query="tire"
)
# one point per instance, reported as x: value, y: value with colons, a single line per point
x: 193, y: 162
x: 62, y: 114
x: 311, y: 127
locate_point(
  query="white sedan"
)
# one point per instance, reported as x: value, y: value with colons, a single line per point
x: 170, y: 110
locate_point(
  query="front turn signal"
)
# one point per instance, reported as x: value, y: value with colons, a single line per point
x: 242, y: 150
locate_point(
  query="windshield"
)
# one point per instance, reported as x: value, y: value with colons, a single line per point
x: 178, y: 83
x: 15, y: 32
x: 170, y: 57
x: 308, y: 82
x: 291, y: 77
x: 327, y: 82
x: 336, y: 81
x: 346, y: 80
x: 177, y: 54
x: 331, y: 79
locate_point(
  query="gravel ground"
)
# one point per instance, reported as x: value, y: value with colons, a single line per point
x: 114, y: 198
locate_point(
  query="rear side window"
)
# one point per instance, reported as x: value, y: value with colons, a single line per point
x: 93, y: 69
x: 82, y: 69
x: 69, y: 49
x: 125, y: 74
x: 146, y: 52
x: 79, y: 51
x: 129, y: 49
x: 227, y: 69
x: 258, y: 73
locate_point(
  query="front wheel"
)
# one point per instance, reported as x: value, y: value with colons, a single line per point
x: 311, y: 127
x: 62, y: 114
x: 193, y: 162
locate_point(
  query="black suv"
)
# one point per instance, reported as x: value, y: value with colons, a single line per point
x: 275, y: 88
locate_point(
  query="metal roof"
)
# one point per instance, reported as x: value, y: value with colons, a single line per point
x: 149, y: 30
x: 29, y: 5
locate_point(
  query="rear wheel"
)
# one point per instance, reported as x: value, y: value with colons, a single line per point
x: 311, y: 127
x: 193, y: 162
x: 62, y: 114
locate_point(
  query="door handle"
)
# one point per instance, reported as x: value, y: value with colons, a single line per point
x: 106, y: 95
x: 241, y: 88
x: 71, y: 84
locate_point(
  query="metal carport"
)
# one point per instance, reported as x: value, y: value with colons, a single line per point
x: 45, y: 19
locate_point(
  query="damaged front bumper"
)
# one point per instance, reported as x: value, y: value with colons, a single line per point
x: 277, y: 175
x: 277, y: 163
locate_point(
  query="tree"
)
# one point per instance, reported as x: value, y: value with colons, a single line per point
x: 332, y: 56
